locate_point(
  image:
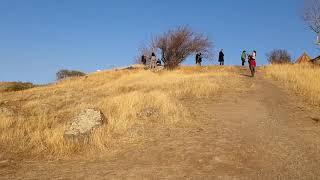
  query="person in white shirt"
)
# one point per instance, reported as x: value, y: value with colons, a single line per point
x: 254, y: 54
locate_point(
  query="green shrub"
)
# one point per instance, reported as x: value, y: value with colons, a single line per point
x: 62, y: 74
x: 17, y: 86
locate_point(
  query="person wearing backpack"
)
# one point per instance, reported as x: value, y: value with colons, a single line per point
x: 243, y: 57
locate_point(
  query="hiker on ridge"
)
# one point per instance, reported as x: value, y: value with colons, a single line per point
x: 252, y: 64
x: 221, y: 57
x: 243, y: 57
x: 199, y: 59
x: 153, y: 61
x: 143, y: 59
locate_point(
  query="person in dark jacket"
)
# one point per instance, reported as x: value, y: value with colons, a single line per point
x: 197, y: 58
x: 143, y: 60
x: 221, y: 57
x: 200, y: 59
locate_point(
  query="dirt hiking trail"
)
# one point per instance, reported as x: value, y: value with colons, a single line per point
x: 263, y: 133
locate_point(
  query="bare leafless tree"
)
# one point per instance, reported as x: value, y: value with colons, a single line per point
x: 279, y: 56
x: 312, y: 14
x: 177, y: 44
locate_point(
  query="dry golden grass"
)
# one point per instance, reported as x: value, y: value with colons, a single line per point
x: 303, y: 78
x: 32, y: 122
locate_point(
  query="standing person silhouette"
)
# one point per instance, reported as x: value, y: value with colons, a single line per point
x: 243, y: 57
x: 252, y: 62
x: 197, y: 58
x: 221, y: 57
x: 153, y: 61
x: 143, y: 59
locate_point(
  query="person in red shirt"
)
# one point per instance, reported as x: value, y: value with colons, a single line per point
x: 252, y: 64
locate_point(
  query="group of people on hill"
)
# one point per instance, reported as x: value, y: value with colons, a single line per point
x: 199, y: 58
x: 251, y: 57
x: 244, y: 55
x: 251, y: 60
x: 153, y: 62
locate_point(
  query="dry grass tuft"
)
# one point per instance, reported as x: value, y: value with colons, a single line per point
x: 303, y: 78
x: 32, y: 122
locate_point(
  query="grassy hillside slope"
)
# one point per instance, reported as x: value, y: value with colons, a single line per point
x: 32, y: 122
x: 304, y: 79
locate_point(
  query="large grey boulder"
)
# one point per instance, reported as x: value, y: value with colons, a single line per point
x: 84, y: 124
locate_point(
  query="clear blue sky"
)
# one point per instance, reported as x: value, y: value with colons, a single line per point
x: 38, y: 37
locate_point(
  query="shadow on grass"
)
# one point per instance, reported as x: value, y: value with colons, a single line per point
x: 246, y: 75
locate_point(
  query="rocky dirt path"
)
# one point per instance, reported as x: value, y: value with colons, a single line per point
x: 263, y: 133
